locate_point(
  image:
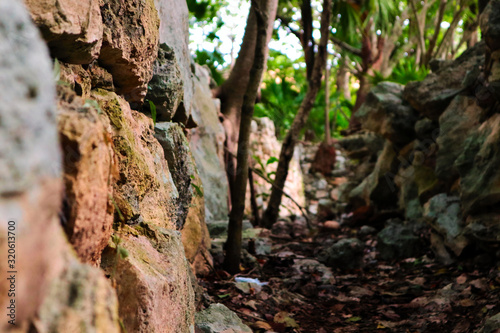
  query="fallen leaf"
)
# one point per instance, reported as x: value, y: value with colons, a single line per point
x: 353, y: 319
x: 467, y: 302
x: 462, y: 279
x: 251, y: 304
x: 360, y: 292
x: 282, y: 317
x: 262, y: 325
x: 419, y: 281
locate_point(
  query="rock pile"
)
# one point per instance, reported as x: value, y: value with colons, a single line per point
x: 429, y: 154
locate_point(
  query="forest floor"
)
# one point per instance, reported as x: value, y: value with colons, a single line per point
x: 302, y: 295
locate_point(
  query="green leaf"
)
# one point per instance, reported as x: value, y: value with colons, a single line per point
x: 152, y: 107
x: 123, y: 252
x: 198, y: 190
x: 271, y: 160
x: 353, y: 319
x: 90, y: 103
x: 57, y: 70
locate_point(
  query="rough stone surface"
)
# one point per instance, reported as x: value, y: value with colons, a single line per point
x: 130, y: 45
x: 384, y: 113
x: 80, y: 297
x: 460, y: 118
x: 174, y: 31
x: 217, y: 318
x: 73, y: 29
x: 64, y: 294
x: 181, y: 166
x: 491, y: 325
x: 30, y: 167
x: 432, y: 95
x: 144, y: 190
x: 379, y: 186
x: 153, y: 284
x: 444, y: 214
x: 398, y: 241
x: 489, y: 23
x: 347, y: 253
x: 207, y: 147
x: 166, y: 88
x: 88, y: 176
x: 479, y: 167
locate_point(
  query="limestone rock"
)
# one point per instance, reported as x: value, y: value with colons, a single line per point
x: 444, y: 214
x: 460, y: 119
x: 207, y: 147
x: 347, y: 253
x: 144, y: 190
x: 88, y: 157
x: 30, y: 167
x: 398, y: 241
x: 166, y: 88
x: 130, y: 45
x: 79, y: 297
x: 217, y: 318
x: 174, y: 31
x: 432, y: 95
x: 489, y: 23
x: 479, y: 167
x: 153, y: 285
x: 195, y: 236
x: 483, y: 228
x: 379, y: 186
x: 191, y: 202
x: 359, y: 145
x: 491, y: 325
x: 180, y: 164
x: 73, y: 29
x: 385, y: 113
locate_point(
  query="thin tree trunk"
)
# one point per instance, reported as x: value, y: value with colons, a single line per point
x: 437, y: 29
x: 231, y: 92
x: 271, y: 214
x: 328, y: 134
x: 253, y: 199
x: 343, y: 79
x: 233, y: 243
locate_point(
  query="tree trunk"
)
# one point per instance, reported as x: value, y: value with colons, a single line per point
x: 328, y: 134
x: 343, y: 79
x: 253, y: 199
x: 272, y: 210
x: 233, y: 243
x: 231, y: 92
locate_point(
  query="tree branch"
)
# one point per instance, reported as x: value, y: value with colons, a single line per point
x: 343, y: 45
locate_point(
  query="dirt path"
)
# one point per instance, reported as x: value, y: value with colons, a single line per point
x: 302, y: 295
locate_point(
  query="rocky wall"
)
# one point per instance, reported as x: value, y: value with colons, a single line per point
x: 439, y: 165
x: 110, y: 206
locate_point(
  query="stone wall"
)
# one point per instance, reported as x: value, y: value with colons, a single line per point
x: 110, y: 207
x: 438, y: 163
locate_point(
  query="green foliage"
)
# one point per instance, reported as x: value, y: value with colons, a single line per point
x: 121, y: 252
x: 404, y: 72
x: 212, y: 60
x: 285, y: 86
x: 197, y: 189
x: 90, y: 103
x: 152, y: 108
x: 204, y: 10
x: 56, y: 72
